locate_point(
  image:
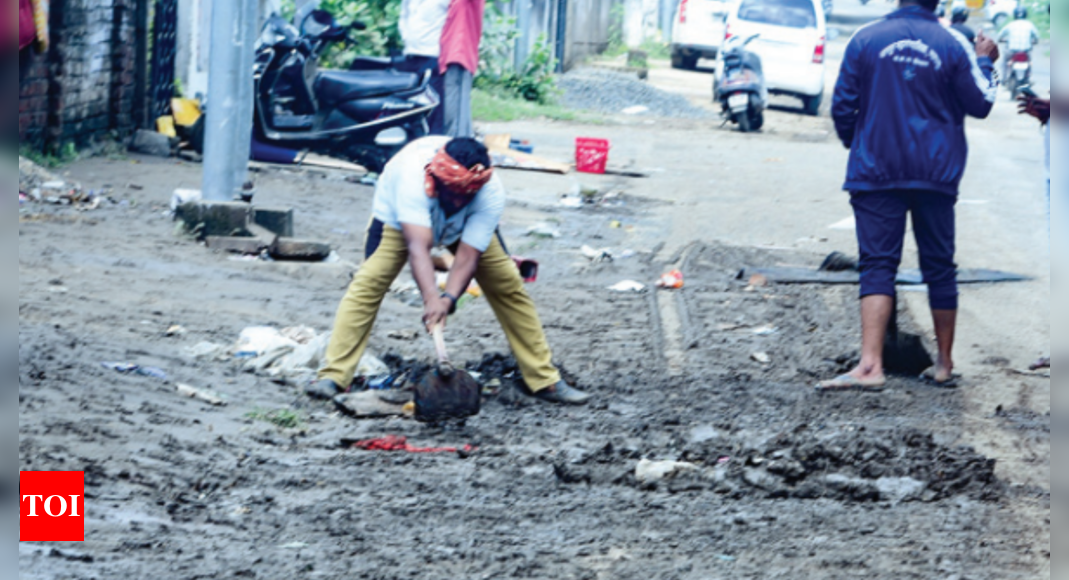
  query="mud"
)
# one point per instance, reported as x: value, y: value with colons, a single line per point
x: 790, y: 483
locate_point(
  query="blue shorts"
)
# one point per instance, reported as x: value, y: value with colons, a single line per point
x: 881, y: 233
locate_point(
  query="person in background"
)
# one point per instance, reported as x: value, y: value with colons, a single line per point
x: 459, y: 61
x: 958, y: 18
x: 905, y: 88
x: 421, y: 27
x: 1018, y: 36
x: 1040, y: 109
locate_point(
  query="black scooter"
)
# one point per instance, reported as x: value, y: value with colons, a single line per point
x: 740, y: 87
x: 365, y: 116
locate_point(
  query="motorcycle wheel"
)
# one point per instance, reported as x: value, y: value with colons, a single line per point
x: 757, y: 120
x: 370, y: 157
x: 744, y: 121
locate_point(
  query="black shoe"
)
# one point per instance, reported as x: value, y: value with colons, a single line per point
x: 324, y: 390
x: 563, y: 394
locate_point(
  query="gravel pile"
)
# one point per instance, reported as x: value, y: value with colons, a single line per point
x: 611, y: 92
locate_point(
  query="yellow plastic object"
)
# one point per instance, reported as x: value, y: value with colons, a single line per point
x: 185, y: 111
x: 41, y: 10
x: 165, y: 126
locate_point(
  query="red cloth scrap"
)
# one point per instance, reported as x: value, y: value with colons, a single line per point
x: 398, y: 443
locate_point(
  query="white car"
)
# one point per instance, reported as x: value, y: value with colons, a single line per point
x: 791, y: 45
x: 697, y: 31
x: 1000, y: 12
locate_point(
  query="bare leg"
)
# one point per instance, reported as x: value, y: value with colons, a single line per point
x: 946, y: 322
x: 875, y: 315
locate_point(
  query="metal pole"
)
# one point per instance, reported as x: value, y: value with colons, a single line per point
x: 228, y: 123
x: 523, y: 22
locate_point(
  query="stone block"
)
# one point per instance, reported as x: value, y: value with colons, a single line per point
x: 277, y: 220
x: 236, y: 245
x: 219, y: 218
x: 300, y: 250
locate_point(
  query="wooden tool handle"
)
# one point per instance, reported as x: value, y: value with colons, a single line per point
x: 439, y: 344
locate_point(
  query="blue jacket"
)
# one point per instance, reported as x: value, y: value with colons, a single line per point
x: 904, y: 90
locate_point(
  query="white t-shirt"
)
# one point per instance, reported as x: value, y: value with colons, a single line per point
x: 1020, y: 35
x: 421, y: 26
x: 401, y: 199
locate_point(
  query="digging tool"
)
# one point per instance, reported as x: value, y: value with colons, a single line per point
x: 446, y: 392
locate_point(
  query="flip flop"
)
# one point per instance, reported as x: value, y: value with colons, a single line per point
x: 849, y: 383
x: 928, y: 376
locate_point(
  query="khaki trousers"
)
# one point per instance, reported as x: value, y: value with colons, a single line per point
x: 501, y: 285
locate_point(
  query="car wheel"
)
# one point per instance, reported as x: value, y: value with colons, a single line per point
x: 684, y: 62
x: 812, y: 104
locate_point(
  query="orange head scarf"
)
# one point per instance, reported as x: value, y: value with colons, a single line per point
x: 459, y: 179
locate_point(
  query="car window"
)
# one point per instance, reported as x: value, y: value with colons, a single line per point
x: 789, y: 13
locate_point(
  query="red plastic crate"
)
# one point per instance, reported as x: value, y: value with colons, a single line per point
x: 591, y: 155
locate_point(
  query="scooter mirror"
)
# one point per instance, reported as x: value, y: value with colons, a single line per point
x: 317, y: 23
x: 358, y: 25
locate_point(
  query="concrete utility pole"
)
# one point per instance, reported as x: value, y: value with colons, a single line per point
x: 228, y: 129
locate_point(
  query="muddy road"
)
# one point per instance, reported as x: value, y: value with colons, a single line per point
x: 781, y: 482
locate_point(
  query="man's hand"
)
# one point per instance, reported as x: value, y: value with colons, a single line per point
x: 985, y: 46
x: 436, y: 311
x: 1038, y: 108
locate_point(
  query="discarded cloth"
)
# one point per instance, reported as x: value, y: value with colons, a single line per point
x: 398, y: 443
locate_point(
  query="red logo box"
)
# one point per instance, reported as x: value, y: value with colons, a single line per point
x: 52, y: 506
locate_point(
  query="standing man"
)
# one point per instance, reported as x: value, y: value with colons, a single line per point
x: 421, y: 27
x: 441, y: 192
x: 1040, y: 109
x: 906, y: 86
x: 459, y: 61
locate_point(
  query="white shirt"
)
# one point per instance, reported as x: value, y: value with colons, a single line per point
x: 421, y: 26
x: 401, y: 199
x: 1020, y: 35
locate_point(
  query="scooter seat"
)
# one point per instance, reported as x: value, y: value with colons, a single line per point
x: 334, y: 87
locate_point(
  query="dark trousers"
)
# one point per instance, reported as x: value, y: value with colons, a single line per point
x: 419, y: 65
x: 881, y: 232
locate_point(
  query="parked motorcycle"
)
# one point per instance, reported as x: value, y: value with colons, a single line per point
x: 740, y: 87
x: 364, y: 115
x: 1019, y: 73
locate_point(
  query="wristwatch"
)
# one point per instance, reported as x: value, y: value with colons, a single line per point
x: 452, y: 300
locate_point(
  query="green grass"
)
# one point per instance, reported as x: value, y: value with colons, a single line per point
x: 281, y: 418
x: 65, y: 155
x: 494, y: 108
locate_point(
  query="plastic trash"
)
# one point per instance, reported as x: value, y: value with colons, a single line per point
x: 628, y: 286
x: 258, y: 340
x: 184, y: 196
x: 131, y: 368
x: 671, y: 280
x: 652, y: 471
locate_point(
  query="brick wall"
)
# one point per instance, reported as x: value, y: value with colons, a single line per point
x: 83, y: 89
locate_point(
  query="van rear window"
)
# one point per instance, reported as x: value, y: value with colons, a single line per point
x: 789, y: 13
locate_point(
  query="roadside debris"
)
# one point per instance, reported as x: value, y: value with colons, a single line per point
x: 200, y: 395
x: 131, y: 368
x: 761, y: 357
x: 653, y: 471
x: 367, y: 405
x: 506, y: 155
x: 398, y: 443
x: 672, y: 280
x: 543, y: 230
x: 628, y: 286
x: 597, y: 256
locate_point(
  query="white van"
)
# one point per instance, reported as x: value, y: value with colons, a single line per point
x: 697, y: 31
x: 791, y: 45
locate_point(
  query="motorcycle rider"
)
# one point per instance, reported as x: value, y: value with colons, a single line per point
x: 1018, y: 36
x: 958, y: 18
